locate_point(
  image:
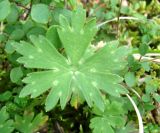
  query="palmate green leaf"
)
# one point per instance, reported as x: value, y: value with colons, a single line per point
x: 112, y: 117
x: 28, y: 123
x: 74, y: 74
x: 6, y: 125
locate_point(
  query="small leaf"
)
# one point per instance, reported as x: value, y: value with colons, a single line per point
x: 133, y: 64
x: 17, y: 34
x: 146, y: 98
x: 40, y: 13
x: 149, y: 106
x: 130, y: 79
x: 145, y: 66
x: 143, y: 48
x: 156, y: 97
x: 9, y: 48
x: 5, y: 96
x: 4, y: 9
x: 151, y: 87
x: 13, y: 15
x: 16, y: 74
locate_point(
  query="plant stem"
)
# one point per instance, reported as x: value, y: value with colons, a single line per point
x: 148, y: 57
x: 120, y: 18
x: 138, y: 114
x: 1, y: 28
x: 22, y: 6
x: 118, y: 25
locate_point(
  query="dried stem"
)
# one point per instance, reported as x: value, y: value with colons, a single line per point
x: 1, y: 28
x: 118, y: 22
x: 141, y: 129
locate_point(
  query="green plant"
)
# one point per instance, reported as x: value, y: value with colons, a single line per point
x: 77, y: 73
x: 92, y: 75
x: 113, y: 116
x: 28, y: 123
x: 6, y: 125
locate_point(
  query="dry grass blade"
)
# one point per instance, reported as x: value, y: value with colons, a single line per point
x: 141, y: 130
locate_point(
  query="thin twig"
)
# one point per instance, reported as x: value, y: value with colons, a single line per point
x: 148, y: 57
x: 22, y: 6
x: 28, y: 11
x: 120, y: 18
x: 136, y: 93
x: 1, y: 28
x: 65, y: 3
x: 131, y: 89
x: 118, y: 25
x: 140, y: 58
x: 59, y: 128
